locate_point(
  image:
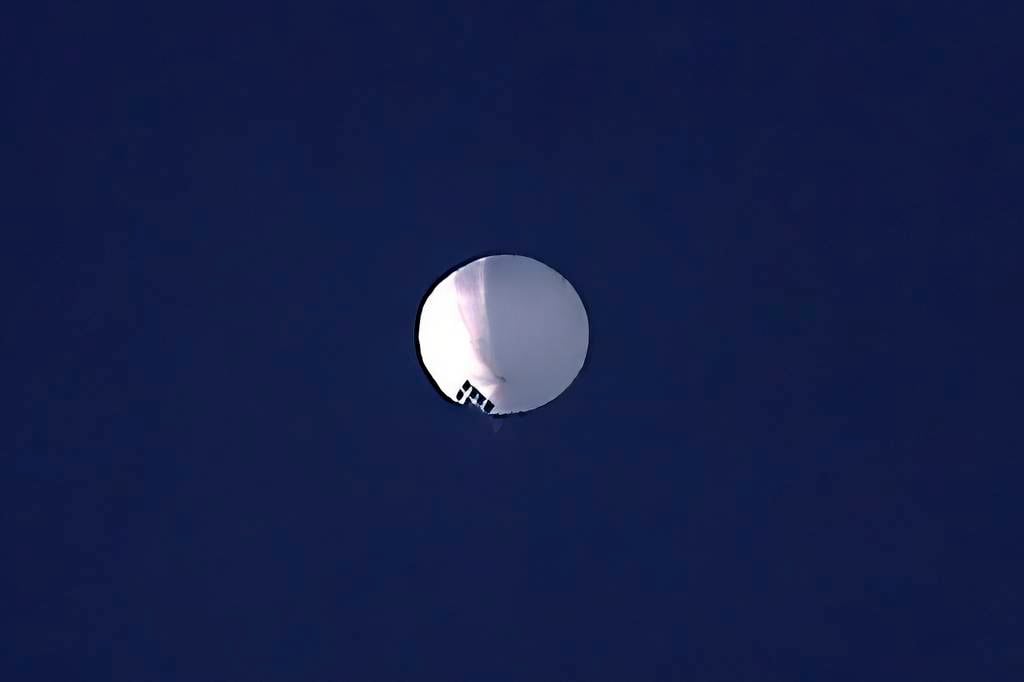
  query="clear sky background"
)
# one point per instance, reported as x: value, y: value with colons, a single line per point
x: 793, y: 454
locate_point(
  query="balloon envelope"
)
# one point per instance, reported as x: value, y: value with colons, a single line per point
x: 507, y: 333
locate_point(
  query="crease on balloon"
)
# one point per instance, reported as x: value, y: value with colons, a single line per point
x: 471, y: 298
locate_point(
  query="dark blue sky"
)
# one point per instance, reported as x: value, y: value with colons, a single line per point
x: 793, y: 453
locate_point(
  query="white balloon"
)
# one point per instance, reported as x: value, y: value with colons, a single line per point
x: 507, y: 333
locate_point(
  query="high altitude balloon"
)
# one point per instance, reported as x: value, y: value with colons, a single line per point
x: 506, y: 333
